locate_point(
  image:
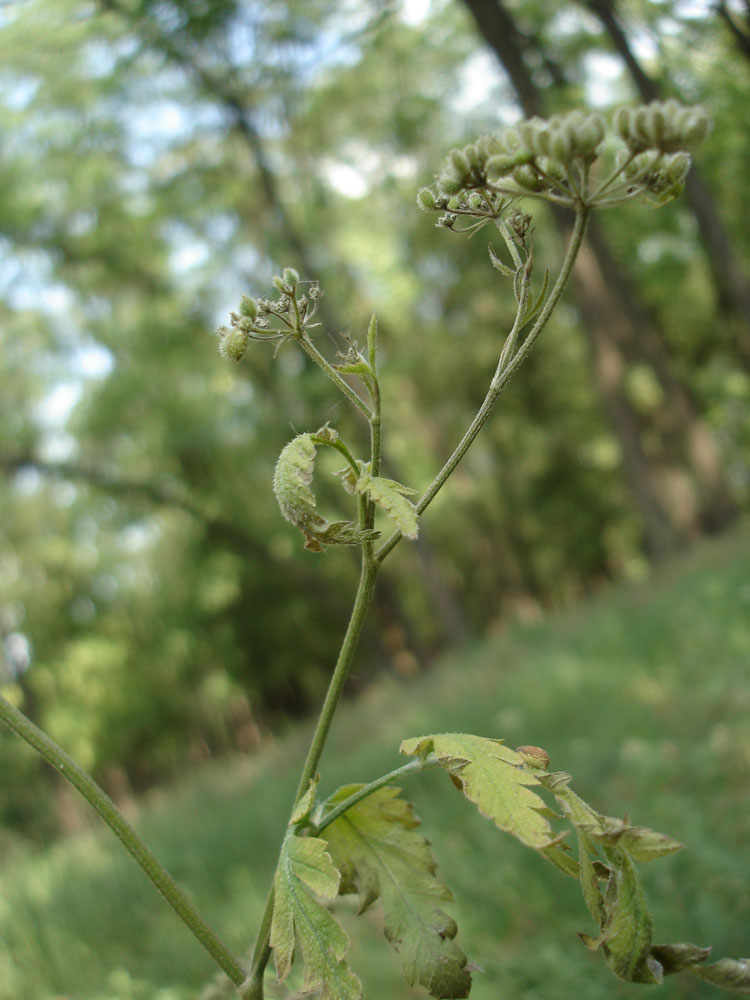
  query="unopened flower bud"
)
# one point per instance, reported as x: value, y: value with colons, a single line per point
x: 527, y: 178
x: 291, y: 277
x: 459, y: 162
x: 621, y: 123
x: 426, y: 199
x: 501, y: 165
x: 233, y: 343
x: 561, y: 145
x: 248, y: 307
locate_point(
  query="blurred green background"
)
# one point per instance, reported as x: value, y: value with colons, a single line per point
x: 158, y: 158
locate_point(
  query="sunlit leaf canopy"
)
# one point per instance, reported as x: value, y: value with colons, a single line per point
x: 158, y: 160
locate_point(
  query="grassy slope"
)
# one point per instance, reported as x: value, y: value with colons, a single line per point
x: 643, y: 694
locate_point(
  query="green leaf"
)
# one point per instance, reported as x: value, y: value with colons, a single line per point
x: 306, y: 871
x: 732, y: 974
x: 626, y: 929
x: 291, y: 483
x: 675, y: 957
x: 292, y: 480
x: 380, y: 855
x: 580, y: 813
x: 533, y: 308
x: 391, y: 496
x: 304, y: 807
x: 641, y: 843
x: 589, y: 877
x: 495, y: 778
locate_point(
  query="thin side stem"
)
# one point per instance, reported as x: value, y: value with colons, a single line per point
x: 501, y: 377
x: 149, y: 864
x: 373, y: 786
x: 312, y: 352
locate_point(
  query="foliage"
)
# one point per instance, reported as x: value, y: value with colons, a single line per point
x: 675, y: 738
x: 139, y: 141
x: 562, y: 162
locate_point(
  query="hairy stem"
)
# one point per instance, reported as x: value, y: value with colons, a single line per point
x: 135, y: 846
x: 312, y: 352
x: 262, y: 951
x: 501, y: 377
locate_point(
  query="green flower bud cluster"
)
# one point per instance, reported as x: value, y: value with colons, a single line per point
x: 663, y: 174
x: 563, y: 139
x: 533, y: 156
x: 666, y: 126
x: 252, y: 322
x: 465, y: 168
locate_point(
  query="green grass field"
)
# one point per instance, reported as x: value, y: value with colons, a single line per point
x: 643, y: 694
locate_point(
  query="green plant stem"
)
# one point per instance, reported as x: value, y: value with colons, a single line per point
x: 135, y: 846
x: 262, y: 950
x: 314, y: 354
x: 503, y: 373
x: 373, y: 786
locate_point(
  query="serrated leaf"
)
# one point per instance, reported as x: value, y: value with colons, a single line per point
x: 380, y: 855
x: 589, y: 877
x: 731, y: 974
x: 677, y: 957
x: 305, y: 872
x: 580, y: 813
x: 495, y: 778
x: 562, y: 860
x: 641, y: 843
x: 626, y: 929
x: 391, y: 497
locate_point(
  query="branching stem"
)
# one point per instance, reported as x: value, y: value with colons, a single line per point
x: 373, y: 786
x: 505, y: 370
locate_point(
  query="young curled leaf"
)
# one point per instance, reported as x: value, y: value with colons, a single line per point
x: 641, y: 843
x: 626, y: 928
x: 731, y: 974
x: 676, y: 957
x: 292, y: 481
x: 391, y: 497
x: 306, y: 872
x: 495, y: 778
x: 380, y: 854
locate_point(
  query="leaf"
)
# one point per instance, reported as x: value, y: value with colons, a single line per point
x: 305, y: 871
x: 304, y: 807
x: 580, y: 813
x: 732, y: 974
x: 589, y: 877
x: 291, y: 483
x: 380, y: 855
x: 391, y: 496
x: 495, y: 778
x: 675, y: 957
x: 626, y: 929
x: 533, y: 308
x: 641, y: 843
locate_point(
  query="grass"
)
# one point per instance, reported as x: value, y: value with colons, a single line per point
x: 643, y: 694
